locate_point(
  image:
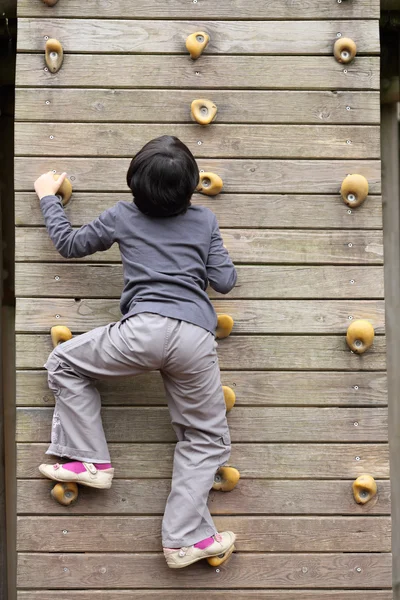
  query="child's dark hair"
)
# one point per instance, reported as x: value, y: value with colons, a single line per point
x: 163, y: 176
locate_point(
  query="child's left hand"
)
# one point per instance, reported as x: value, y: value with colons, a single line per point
x: 46, y: 185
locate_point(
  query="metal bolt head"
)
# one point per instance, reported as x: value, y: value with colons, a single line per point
x: 355, y: 423
x: 349, y: 211
x: 47, y: 102
x: 339, y: 1
x: 348, y: 141
x: 304, y: 570
x: 72, y: 178
x: 202, y: 171
x: 350, y: 245
x: 338, y: 34
x: 358, y: 458
x: 348, y: 108
x: 58, y: 316
x: 350, y: 317
x: 355, y: 387
x: 57, y: 277
x: 218, y: 570
x: 352, y: 281
x: 52, y: 137
x: 46, y: 37
x: 199, y: 143
x: 45, y: 69
x: 197, y: 72
x: 345, y: 71
x: 65, y: 570
x: 194, y: 1
x: 65, y: 531
x: 358, y: 569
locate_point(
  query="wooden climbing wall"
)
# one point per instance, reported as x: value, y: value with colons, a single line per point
x: 310, y: 416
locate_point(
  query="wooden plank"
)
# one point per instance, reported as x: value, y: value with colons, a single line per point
x: 262, y: 176
x: 298, y: 461
x: 207, y: 9
x: 206, y: 595
x: 246, y: 210
x: 171, y: 106
x: 251, y: 352
x: 229, y: 141
x: 146, y: 496
x: 226, y: 37
x: 257, y: 282
x: 219, y: 72
x: 255, y: 534
x: 270, y: 388
x: 246, y: 424
x: 37, y: 315
x: 52, y: 571
x: 244, y: 245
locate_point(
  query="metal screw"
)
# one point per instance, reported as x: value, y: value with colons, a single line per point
x: 350, y: 318
x: 57, y: 277
x: 345, y: 71
x: 194, y: 1
x: 45, y: 69
x: 338, y: 34
x: 58, y: 317
x: 355, y: 387
x: 305, y: 570
x: 52, y: 137
x: 358, y: 569
x: 197, y: 72
x: 202, y: 171
x: 348, y: 108
x: 65, y: 570
x: 216, y: 570
x: 349, y: 212
x: 352, y: 281
x: 358, y: 458
x: 47, y: 102
x: 199, y: 143
x: 350, y: 245
x: 46, y: 37
x: 355, y: 423
x: 348, y: 141
x: 339, y: 1
x: 65, y: 531
x: 72, y: 178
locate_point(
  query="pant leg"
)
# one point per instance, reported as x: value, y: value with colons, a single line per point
x: 196, y: 402
x: 118, y: 349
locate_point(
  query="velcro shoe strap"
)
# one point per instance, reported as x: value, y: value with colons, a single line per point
x: 90, y: 467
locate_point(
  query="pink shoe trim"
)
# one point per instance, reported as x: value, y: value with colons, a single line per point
x: 204, y: 543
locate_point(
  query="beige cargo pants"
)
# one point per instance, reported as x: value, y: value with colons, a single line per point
x: 187, y: 358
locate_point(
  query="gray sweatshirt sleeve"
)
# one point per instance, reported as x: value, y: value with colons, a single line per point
x: 221, y: 271
x: 96, y: 236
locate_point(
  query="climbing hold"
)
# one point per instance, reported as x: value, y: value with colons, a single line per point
x: 54, y: 55
x: 224, y: 326
x: 203, y: 111
x: 65, y: 493
x: 354, y: 190
x: 50, y: 2
x: 210, y: 184
x: 65, y: 190
x: 196, y: 43
x: 225, y: 479
x: 60, y: 334
x: 344, y: 50
x: 229, y: 396
x: 360, y: 336
x: 364, y: 488
x: 216, y: 561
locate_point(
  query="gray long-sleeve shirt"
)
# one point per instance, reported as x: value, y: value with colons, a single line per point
x: 168, y: 262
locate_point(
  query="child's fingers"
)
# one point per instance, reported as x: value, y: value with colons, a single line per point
x: 60, y: 181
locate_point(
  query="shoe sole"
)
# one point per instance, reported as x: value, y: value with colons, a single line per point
x: 93, y: 485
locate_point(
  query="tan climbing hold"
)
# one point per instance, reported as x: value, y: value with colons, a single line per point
x: 225, y: 479
x: 203, y: 111
x: 65, y: 190
x: 65, y: 493
x: 216, y: 561
x: 224, y: 326
x: 344, y: 50
x: 60, y: 334
x: 354, y: 190
x: 196, y: 43
x: 364, y: 488
x: 229, y: 396
x: 360, y: 336
x: 50, y: 2
x: 54, y: 55
x: 210, y: 184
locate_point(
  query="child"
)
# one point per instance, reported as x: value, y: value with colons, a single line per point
x: 170, y: 251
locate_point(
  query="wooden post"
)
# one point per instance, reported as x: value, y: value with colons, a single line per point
x: 391, y: 226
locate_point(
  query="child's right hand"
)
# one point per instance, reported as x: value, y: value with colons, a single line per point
x: 46, y: 185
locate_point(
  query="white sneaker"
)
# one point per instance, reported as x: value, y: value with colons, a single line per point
x: 183, y: 557
x: 91, y: 477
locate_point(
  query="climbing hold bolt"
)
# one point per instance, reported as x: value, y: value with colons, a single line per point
x: 54, y: 55
x: 65, y: 190
x: 210, y: 184
x: 196, y: 43
x: 224, y: 326
x: 344, y: 50
x: 60, y: 334
x: 226, y: 479
x: 364, y: 488
x: 360, y: 336
x: 203, y: 111
x: 65, y: 493
x: 229, y: 396
x: 354, y: 190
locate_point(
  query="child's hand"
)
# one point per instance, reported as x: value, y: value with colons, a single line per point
x: 46, y: 185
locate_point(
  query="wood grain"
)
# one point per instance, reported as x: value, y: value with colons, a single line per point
x: 258, y: 176
x: 214, y: 72
x: 206, y: 595
x: 246, y: 424
x: 298, y: 461
x: 52, y: 571
x: 250, y: 497
x: 254, y: 282
x: 250, y: 353
x: 255, y: 534
x: 270, y: 388
x: 37, y: 315
x: 207, y: 9
x: 226, y: 37
x: 232, y: 210
x: 171, y: 106
x: 244, y: 245
x: 229, y: 141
